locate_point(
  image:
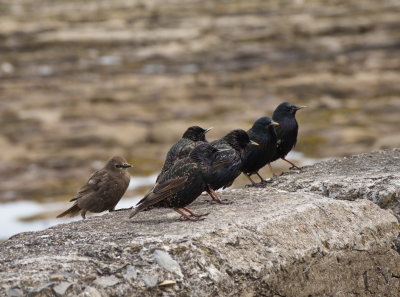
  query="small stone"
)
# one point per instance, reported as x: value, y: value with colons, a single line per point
x: 150, y: 280
x: 165, y: 261
x: 107, y: 281
x: 15, y: 292
x: 90, y: 277
x: 61, y: 288
x: 131, y: 273
x: 57, y: 277
x: 91, y: 292
x: 167, y: 282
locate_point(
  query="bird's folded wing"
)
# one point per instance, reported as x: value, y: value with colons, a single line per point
x: 163, y: 191
x: 94, y: 183
x: 160, y: 192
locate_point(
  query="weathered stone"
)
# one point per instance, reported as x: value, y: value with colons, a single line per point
x: 15, y: 292
x: 374, y: 176
x: 61, y: 288
x: 107, y: 281
x: 150, y: 280
x: 268, y: 242
x: 165, y: 261
x: 131, y: 273
x: 90, y: 292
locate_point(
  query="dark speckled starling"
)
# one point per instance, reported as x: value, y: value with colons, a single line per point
x: 257, y: 157
x: 192, y: 137
x: 182, y: 183
x: 287, y: 130
x: 228, y: 164
x: 103, y: 190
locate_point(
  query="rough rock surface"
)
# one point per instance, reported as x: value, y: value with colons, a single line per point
x: 375, y: 176
x: 268, y: 242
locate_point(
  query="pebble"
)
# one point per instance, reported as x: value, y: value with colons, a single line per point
x: 150, y: 280
x: 61, y: 288
x: 107, y: 281
x: 165, y: 261
x: 130, y: 273
x: 15, y: 292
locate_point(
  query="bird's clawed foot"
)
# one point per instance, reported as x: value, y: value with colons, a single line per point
x: 294, y: 167
x: 192, y: 216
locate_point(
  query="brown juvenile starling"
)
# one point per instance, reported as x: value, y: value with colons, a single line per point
x: 103, y: 190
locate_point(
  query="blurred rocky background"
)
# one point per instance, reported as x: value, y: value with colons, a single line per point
x: 83, y: 80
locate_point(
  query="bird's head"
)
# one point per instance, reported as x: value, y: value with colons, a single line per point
x: 239, y: 139
x: 286, y: 109
x: 117, y: 163
x: 196, y: 133
x: 264, y: 123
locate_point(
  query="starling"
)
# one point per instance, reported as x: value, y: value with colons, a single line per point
x: 228, y: 164
x: 192, y: 137
x: 182, y: 183
x: 103, y: 190
x: 287, y: 130
x: 257, y: 157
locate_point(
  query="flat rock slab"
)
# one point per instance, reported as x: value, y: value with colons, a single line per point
x: 374, y: 176
x: 268, y: 242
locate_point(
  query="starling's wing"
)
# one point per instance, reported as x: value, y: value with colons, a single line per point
x: 286, y: 134
x: 160, y: 192
x: 94, y: 183
x: 225, y: 168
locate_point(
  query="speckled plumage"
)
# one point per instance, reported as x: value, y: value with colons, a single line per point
x: 192, y: 137
x: 287, y: 130
x: 228, y: 164
x: 257, y: 157
x: 182, y: 183
x: 103, y: 190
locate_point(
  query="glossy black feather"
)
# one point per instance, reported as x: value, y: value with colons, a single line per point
x: 183, y: 182
x: 192, y: 137
x: 257, y: 157
x: 228, y: 164
x: 287, y: 130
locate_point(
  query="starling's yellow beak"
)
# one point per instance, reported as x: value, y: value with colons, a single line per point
x: 208, y: 129
x: 253, y: 143
x: 274, y: 123
x: 223, y: 150
x: 300, y: 107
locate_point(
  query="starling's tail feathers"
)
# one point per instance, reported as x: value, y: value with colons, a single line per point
x: 74, y: 210
x: 159, y: 193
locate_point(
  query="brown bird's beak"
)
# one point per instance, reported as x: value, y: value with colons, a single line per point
x: 126, y: 165
x: 254, y: 143
x: 274, y: 123
x: 208, y: 129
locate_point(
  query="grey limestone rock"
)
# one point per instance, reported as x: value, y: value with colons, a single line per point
x: 284, y: 240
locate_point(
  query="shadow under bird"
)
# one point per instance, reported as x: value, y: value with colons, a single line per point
x: 286, y: 132
x: 192, y: 137
x: 103, y: 190
x: 182, y: 183
x: 228, y: 164
x: 256, y: 157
